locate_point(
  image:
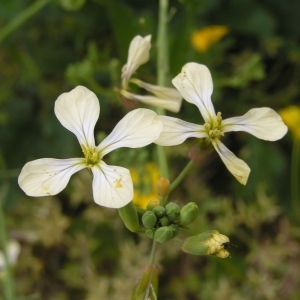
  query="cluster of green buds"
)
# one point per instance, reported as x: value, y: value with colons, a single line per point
x: 162, y: 223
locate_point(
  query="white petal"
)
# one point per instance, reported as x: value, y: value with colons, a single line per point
x: 264, y: 123
x: 112, y: 186
x: 78, y: 111
x: 48, y: 176
x: 237, y: 167
x: 138, y: 128
x: 167, y: 98
x: 195, y: 85
x: 172, y: 105
x: 176, y: 131
x: 138, y: 54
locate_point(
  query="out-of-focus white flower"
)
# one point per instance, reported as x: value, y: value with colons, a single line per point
x: 164, y: 97
x: 13, y: 250
x: 78, y: 111
x: 195, y: 85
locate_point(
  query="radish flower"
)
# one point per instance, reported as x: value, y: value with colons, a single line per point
x: 138, y: 54
x: 195, y: 85
x: 78, y: 111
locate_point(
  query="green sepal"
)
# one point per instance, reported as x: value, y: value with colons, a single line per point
x: 149, y: 219
x: 164, y: 221
x: 159, y: 211
x: 188, y: 213
x: 172, y: 210
x: 163, y: 234
x: 129, y: 216
x: 195, y: 244
x: 147, y: 285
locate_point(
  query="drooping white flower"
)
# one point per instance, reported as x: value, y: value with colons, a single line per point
x: 195, y: 85
x: 78, y: 111
x: 164, y: 97
x: 138, y: 54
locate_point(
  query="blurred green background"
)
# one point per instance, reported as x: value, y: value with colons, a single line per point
x: 73, y: 249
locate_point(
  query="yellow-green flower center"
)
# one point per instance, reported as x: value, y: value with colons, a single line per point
x: 213, y: 128
x: 92, y: 156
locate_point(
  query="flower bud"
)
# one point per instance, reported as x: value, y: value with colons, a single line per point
x: 164, y: 221
x: 129, y: 216
x: 149, y: 219
x: 147, y: 285
x: 172, y: 210
x: 153, y: 203
x: 188, y: 213
x: 163, y: 234
x: 159, y: 211
x: 207, y: 243
x: 163, y: 186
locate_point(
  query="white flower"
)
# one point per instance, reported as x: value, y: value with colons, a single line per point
x: 167, y: 98
x: 195, y: 85
x: 78, y: 111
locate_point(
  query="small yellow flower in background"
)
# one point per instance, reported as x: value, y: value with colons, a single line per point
x: 144, y: 182
x: 204, y: 38
x: 291, y: 117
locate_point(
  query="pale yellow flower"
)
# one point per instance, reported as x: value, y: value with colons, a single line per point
x: 291, y: 117
x: 204, y: 38
x: 144, y: 182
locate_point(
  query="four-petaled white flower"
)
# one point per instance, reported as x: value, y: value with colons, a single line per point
x: 167, y: 98
x: 195, y: 85
x: 78, y: 111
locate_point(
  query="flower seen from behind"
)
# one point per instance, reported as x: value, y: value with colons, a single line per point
x: 138, y: 54
x: 78, y: 111
x: 195, y: 85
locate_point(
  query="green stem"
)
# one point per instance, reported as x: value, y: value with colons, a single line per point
x: 162, y: 73
x: 7, y: 278
x: 180, y: 177
x: 22, y: 18
x: 152, y: 254
x: 295, y: 178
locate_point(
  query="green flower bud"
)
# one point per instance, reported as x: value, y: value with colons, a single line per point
x: 163, y: 234
x: 150, y: 233
x: 153, y: 203
x: 129, y: 216
x: 188, y: 213
x: 163, y: 187
x: 159, y: 211
x: 172, y: 210
x: 164, y: 221
x: 207, y: 243
x: 149, y: 219
x: 174, y: 229
x: 147, y: 285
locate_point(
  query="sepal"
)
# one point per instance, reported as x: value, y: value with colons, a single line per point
x: 129, y: 216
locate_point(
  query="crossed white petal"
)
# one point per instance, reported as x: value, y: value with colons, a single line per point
x: 195, y: 85
x: 78, y: 111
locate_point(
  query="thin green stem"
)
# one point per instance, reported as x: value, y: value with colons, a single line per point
x: 8, y: 286
x: 22, y: 18
x: 295, y: 178
x: 152, y: 254
x: 180, y: 177
x: 162, y: 72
